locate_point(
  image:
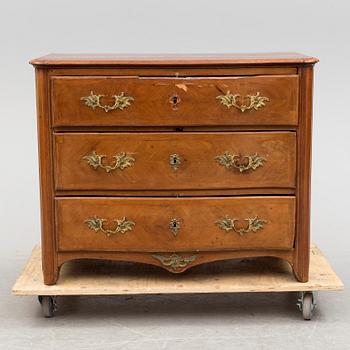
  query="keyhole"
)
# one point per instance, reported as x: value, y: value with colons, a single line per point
x: 175, y: 161
x: 174, y: 226
x: 175, y: 100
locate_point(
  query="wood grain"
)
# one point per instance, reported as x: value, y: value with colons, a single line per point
x: 197, y: 217
x: 50, y: 268
x: 82, y: 277
x: 178, y: 193
x: 197, y: 101
x: 151, y: 168
x: 302, y: 239
x: 173, y: 59
x: 67, y: 128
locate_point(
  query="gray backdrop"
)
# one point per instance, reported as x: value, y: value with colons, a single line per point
x: 30, y: 29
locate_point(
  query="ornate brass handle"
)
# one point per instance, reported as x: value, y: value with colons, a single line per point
x: 254, y: 224
x: 120, y: 102
x: 234, y: 161
x: 174, y: 261
x: 255, y: 101
x: 121, y: 161
x: 123, y: 225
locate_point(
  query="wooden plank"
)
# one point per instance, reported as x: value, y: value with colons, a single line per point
x: 111, y: 278
x: 171, y: 59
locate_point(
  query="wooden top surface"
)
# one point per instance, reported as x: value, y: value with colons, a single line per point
x: 173, y: 59
x: 94, y: 277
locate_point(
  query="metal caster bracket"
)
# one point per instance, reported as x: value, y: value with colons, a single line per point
x: 306, y: 304
x: 48, y: 305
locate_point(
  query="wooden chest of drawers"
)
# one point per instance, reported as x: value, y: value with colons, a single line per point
x: 174, y: 161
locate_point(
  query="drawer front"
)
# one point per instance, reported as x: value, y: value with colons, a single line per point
x: 132, y: 101
x: 166, y: 161
x: 175, y: 224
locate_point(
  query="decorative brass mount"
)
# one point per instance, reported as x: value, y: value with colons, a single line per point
x: 121, y: 161
x: 174, y: 101
x: 174, y: 226
x: 233, y: 161
x: 123, y: 225
x: 254, y: 224
x: 174, y: 261
x: 255, y: 101
x: 120, y: 102
x: 175, y: 161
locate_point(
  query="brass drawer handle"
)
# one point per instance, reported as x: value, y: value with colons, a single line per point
x: 123, y: 225
x: 228, y: 160
x: 121, y: 161
x: 254, y: 224
x: 120, y: 102
x: 174, y: 226
x: 174, y: 261
x: 255, y: 101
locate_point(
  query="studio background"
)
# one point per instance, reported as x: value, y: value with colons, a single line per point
x: 30, y: 29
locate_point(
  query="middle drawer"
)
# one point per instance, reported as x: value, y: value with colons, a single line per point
x: 169, y: 161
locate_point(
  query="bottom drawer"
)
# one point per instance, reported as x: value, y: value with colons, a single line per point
x: 175, y: 224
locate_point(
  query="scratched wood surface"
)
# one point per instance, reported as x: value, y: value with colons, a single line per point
x: 81, y: 277
x: 174, y: 101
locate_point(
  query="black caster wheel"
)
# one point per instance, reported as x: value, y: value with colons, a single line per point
x: 307, y: 305
x: 48, y: 305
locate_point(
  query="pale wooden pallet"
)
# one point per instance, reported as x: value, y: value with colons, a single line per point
x: 113, y: 278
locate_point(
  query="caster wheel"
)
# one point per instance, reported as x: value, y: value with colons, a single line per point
x: 48, y: 305
x: 307, y: 305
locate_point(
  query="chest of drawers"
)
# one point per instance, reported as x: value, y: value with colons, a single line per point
x: 174, y: 161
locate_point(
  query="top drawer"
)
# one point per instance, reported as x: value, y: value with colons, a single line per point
x: 133, y: 101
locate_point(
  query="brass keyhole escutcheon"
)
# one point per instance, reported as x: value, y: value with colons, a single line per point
x: 175, y: 161
x: 174, y: 226
x: 174, y: 101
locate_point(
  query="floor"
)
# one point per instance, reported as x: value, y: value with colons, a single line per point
x: 216, y: 321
